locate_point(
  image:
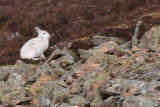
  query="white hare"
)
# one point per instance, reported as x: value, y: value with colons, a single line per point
x: 36, y: 46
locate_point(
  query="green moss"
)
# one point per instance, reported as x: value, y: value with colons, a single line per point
x: 62, y: 83
x: 35, y: 89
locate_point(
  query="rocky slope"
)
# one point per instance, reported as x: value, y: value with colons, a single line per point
x: 113, y: 73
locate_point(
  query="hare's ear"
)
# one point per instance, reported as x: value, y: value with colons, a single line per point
x: 37, y: 29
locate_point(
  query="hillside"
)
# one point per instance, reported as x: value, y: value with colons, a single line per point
x: 105, y: 53
x: 69, y: 20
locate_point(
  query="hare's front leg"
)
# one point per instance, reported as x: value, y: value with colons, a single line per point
x: 42, y: 56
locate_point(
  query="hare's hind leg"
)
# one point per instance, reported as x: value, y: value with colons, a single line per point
x: 42, y: 56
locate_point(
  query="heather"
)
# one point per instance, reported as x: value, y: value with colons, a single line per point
x: 69, y: 20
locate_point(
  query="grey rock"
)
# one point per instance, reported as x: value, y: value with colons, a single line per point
x: 67, y: 61
x: 15, y: 98
x: 65, y: 105
x: 79, y: 100
x: 4, y: 72
x: 20, y: 74
x: 150, y: 40
x: 102, y: 39
x: 126, y: 45
x: 139, y: 101
x: 120, y: 86
x: 97, y: 50
x: 150, y: 76
x: 134, y: 37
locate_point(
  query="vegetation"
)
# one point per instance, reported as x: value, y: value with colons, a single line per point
x: 68, y: 20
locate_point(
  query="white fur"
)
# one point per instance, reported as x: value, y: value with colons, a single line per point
x: 35, y: 46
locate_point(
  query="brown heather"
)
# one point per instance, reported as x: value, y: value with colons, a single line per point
x: 68, y: 20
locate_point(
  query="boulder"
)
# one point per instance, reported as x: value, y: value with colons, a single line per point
x: 4, y: 72
x: 150, y: 40
x: 79, y: 101
x: 16, y: 97
x: 121, y: 86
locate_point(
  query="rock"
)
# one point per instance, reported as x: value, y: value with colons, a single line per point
x: 67, y: 61
x: 120, y: 86
x: 55, y: 64
x: 139, y: 101
x: 61, y: 59
x: 113, y: 101
x: 15, y: 97
x: 143, y: 69
x: 126, y: 45
x: 79, y: 101
x: 59, y: 72
x: 75, y: 55
x: 4, y: 72
x: 65, y: 105
x: 102, y: 39
x: 150, y: 76
x: 134, y: 37
x: 56, y: 54
x: 97, y: 50
x: 20, y: 74
x: 96, y: 101
x: 62, y: 83
x: 150, y: 40
x: 70, y: 80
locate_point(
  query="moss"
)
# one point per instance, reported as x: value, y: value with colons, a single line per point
x: 62, y: 83
x: 74, y: 55
x: 101, y: 76
x: 35, y: 89
x: 96, y: 101
x: 85, y: 40
x: 125, y: 89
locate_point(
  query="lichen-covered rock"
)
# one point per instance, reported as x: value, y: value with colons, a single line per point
x: 97, y: 50
x: 79, y: 101
x: 16, y: 97
x: 20, y: 74
x: 4, y: 72
x: 139, y: 101
x: 64, y: 105
x: 150, y: 40
x: 67, y: 61
x: 105, y: 75
x: 120, y: 86
x: 126, y: 45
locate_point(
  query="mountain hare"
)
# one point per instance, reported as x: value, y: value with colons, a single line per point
x: 35, y: 46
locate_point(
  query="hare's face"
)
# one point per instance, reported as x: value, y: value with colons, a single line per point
x: 42, y: 33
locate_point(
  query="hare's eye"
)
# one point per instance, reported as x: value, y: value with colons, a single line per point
x: 44, y: 33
